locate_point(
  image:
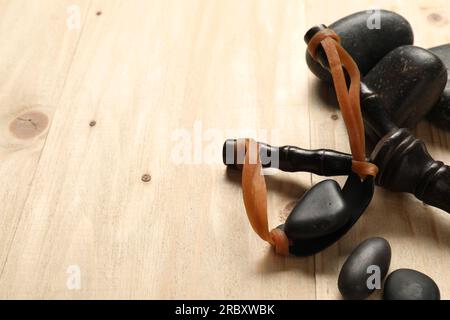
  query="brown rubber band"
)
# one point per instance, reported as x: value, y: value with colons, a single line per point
x: 255, y: 198
x: 348, y: 99
x: 317, y: 39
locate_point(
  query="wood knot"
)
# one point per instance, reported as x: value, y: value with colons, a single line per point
x: 29, y: 125
x: 437, y: 19
x: 146, y: 177
x: 334, y: 116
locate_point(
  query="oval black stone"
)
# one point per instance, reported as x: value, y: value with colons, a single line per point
x: 440, y: 114
x: 356, y: 195
x: 407, y: 284
x: 321, y: 211
x: 357, y: 269
x: 409, y: 81
x: 367, y: 46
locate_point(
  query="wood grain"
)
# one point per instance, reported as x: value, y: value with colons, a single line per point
x: 36, y: 56
x: 166, y: 82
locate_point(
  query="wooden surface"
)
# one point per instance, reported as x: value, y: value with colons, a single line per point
x: 153, y: 74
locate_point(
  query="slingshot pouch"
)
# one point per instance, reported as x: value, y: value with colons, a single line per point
x: 253, y: 182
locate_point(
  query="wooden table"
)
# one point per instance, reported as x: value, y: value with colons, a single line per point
x: 113, y: 114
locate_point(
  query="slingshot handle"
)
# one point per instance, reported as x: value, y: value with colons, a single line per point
x: 406, y: 166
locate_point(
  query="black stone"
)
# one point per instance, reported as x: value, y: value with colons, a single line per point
x: 321, y: 211
x: 440, y: 114
x: 356, y: 195
x: 407, y: 284
x: 367, y: 46
x: 352, y: 282
x: 409, y: 81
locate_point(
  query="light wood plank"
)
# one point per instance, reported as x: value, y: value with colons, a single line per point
x: 144, y: 71
x: 36, y: 50
x: 148, y: 72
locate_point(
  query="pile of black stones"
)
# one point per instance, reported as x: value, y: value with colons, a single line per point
x: 380, y: 53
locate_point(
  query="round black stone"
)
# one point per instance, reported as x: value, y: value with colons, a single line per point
x: 409, y: 81
x: 322, y: 210
x: 440, y: 114
x: 354, y: 278
x: 408, y: 284
x: 366, y: 44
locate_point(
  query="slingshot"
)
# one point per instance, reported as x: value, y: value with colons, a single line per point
x: 326, y: 212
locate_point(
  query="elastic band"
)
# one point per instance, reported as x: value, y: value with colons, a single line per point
x: 348, y: 99
x: 255, y: 198
x: 315, y: 41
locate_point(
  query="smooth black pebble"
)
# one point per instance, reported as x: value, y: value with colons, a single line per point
x: 321, y: 211
x: 440, y: 114
x: 409, y: 81
x: 367, y: 46
x: 355, y: 273
x: 407, y: 284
